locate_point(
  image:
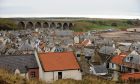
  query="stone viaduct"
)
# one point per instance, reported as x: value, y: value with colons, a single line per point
x: 32, y: 24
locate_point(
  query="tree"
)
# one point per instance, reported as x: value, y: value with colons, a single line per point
x: 130, y: 22
x: 137, y: 22
x: 114, y: 24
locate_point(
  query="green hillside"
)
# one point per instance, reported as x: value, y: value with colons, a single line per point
x: 6, y: 24
x: 105, y: 24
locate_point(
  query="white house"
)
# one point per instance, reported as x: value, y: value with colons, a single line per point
x: 133, y: 29
x: 58, y: 65
x: 76, y: 39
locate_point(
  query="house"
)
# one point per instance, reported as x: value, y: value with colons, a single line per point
x: 124, y: 63
x: 88, y: 53
x: 57, y: 48
x: 133, y: 29
x: 76, y: 39
x: 63, y: 33
x: 25, y: 65
x: 2, y: 48
x: 78, y: 53
x: 58, y: 65
x: 106, y: 52
x: 86, y: 42
x: 100, y: 42
x: 10, y: 51
x: 98, y: 70
x: 115, y: 65
x: 26, y: 48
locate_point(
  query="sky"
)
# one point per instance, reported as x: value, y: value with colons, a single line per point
x: 70, y: 8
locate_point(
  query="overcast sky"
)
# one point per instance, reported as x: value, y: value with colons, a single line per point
x: 86, y: 8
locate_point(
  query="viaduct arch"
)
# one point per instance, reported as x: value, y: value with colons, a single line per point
x: 45, y: 24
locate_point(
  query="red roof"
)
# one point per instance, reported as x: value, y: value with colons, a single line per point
x: 118, y: 59
x: 127, y: 76
x: 86, y: 42
x: 54, y: 61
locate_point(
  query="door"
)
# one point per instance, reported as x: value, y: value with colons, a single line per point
x: 59, y: 75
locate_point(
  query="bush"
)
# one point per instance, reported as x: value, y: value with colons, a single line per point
x: 9, y: 78
x: 114, y: 24
x: 89, y: 79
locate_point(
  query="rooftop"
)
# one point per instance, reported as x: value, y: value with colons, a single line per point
x: 18, y: 62
x: 57, y: 61
x: 127, y: 76
x: 119, y: 58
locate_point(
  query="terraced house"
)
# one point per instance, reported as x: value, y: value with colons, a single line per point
x: 125, y: 66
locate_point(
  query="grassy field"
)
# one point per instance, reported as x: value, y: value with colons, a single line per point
x: 8, y: 78
x: 86, y: 80
x: 101, y: 24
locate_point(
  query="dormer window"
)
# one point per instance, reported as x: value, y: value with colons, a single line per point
x: 129, y: 59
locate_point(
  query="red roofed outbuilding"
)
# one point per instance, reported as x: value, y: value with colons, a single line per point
x: 59, y: 65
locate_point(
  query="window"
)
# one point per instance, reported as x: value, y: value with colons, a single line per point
x: 113, y: 65
x: 131, y: 58
x: 59, y: 75
x: 127, y: 59
x: 78, y: 55
x: 33, y: 74
x: 122, y: 68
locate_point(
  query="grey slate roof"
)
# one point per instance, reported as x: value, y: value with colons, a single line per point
x: 135, y: 46
x: 10, y: 51
x: 64, y: 33
x: 104, y: 42
x: 124, y: 48
x: 100, y: 69
x: 107, y: 50
x: 18, y: 62
x: 2, y: 46
x: 26, y: 46
x: 135, y: 58
x: 88, y: 52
